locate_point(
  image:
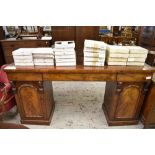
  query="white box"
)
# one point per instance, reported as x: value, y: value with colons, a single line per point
x: 95, y: 44
x: 137, y: 59
x: 20, y: 57
x: 135, y: 63
x: 65, y: 56
x: 117, y: 59
x: 23, y: 52
x: 96, y: 55
x: 23, y: 61
x: 66, y: 50
x: 86, y: 63
x: 65, y: 60
x: 94, y: 50
x: 117, y: 63
x: 117, y: 49
x: 138, y: 56
x: 24, y: 64
x: 94, y: 59
x: 64, y: 44
x: 137, y: 49
x: 66, y: 64
x: 39, y: 56
x: 43, y: 64
x: 43, y: 60
x: 117, y: 55
x: 43, y: 50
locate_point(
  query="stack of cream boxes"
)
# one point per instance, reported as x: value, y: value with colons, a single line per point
x: 65, y: 53
x: 117, y: 55
x: 43, y: 56
x: 23, y: 57
x: 137, y: 56
x: 94, y: 53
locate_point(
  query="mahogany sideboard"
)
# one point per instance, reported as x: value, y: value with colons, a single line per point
x: 10, y: 45
x: 125, y: 91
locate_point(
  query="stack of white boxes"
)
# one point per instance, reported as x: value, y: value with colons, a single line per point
x: 117, y: 55
x: 23, y: 57
x: 65, y: 53
x: 137, y: 56
x: 43, y: 56
x: 94, y: 53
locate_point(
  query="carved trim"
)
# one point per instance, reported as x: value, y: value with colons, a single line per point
x: 40, y: 88
x: 14, y: 90
x: 26, y: 85
x: 146, y: 86
x: 119, y: 87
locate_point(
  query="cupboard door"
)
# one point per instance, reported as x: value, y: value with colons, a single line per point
x: 125, y: 102
x: 30, y: 101
x: 35, y: 101
x: 129, y: 101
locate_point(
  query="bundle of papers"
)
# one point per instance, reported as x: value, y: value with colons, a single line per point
x: 117, y: 55
x: 65, y: 53
x: 23, y: 57
x: 137, y: 56
x: 43, y: 56
x: 94, y: 53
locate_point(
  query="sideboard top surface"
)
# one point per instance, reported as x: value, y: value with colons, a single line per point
x: 81, y: 69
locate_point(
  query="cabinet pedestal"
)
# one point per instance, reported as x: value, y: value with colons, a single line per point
x: 34, y: 101
x: 122, y: 102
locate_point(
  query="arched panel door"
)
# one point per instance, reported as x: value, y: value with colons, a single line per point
x: 30, y: 101
x: 129, y: 101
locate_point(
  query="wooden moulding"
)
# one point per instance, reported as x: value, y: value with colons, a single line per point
x: 79, y: 77
x: 24, y: 76
x: 128, y: 77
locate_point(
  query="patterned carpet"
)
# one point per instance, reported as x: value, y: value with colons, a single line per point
x: 78, y: 106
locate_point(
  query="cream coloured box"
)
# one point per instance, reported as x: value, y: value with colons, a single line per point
x: 95, y: 44
x: 117, y: 63
x: 137, y: 49
x: 43, y: 64
x: 137, y: 55
x: 137, y: 59
x: 117, y: 55
x: 65, y: 60
x: 130, y: 63
x: 117, y: 59
x: 66, y: 63
x: 117, y: 49
x: 99, y: 63
x: 94, y: 58
x: 96, y: 55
